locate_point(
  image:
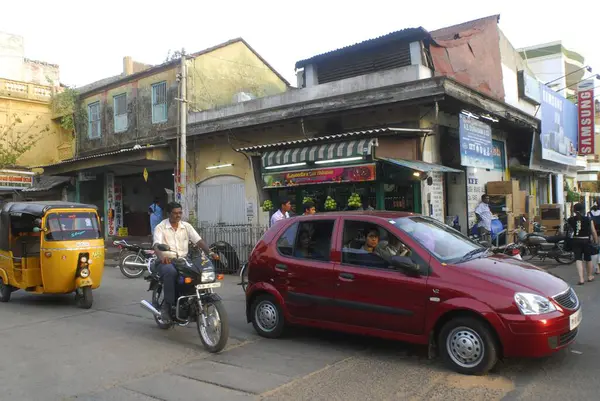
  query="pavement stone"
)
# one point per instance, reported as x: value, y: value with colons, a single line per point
x: 114, y: 394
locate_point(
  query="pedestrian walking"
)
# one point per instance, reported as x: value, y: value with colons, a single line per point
x: 580, y: 229
x: 283, y: 212
x: 595, y: 216
x: 155, y: 212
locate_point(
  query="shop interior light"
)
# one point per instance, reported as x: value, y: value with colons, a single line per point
x: 17, y: 172
x: 219, y: 166
x: 469, y: 114
x: 417, y: 174
x: 490, y: 118
x: 344, y: 160
x: 286, y: 165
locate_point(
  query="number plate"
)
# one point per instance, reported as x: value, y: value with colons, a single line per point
x: 207, y: 286
x: 575, y: 320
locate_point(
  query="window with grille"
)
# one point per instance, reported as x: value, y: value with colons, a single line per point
x: 94, y: 120
x: 159, y: 102
x: 120, y: 112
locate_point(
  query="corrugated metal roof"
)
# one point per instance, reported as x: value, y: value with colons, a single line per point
x: 116, y: 152
x: 45, y: 183
x: 328, y: 138
x: 404, y: 34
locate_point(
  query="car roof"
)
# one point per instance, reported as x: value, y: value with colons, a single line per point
x: 383, y: 214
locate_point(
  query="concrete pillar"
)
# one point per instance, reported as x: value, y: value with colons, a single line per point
x: 127, y: 65
x: 300, y: 78
x: 311, y: 77
x: 559, y: 185
x: 416, y: 57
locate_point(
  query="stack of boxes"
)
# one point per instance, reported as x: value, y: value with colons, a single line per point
x: 518, y: 203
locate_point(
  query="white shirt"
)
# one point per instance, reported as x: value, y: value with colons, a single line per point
x: 179, y: 239
x: 279, y: 216
x: 483, y: 210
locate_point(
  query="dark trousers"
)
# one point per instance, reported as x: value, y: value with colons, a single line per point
x: 168, y: 275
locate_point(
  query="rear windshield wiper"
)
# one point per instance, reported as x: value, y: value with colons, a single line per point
x: 471, y: 254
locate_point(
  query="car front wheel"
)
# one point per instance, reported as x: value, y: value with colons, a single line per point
x: 267, y: 316
x: 468, y: 346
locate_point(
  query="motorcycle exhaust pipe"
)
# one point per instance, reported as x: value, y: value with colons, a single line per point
x: 148, y: 306
x: 136, y: 265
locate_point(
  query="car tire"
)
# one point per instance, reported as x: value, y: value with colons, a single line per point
x: 267, y: 316
x: 468, y: 346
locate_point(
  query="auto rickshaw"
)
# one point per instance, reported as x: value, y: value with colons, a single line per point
x: 51, y: 248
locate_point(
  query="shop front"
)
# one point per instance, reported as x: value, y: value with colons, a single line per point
x: 354, y: 174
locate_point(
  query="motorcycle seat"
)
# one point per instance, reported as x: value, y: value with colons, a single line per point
x: 553, y: 239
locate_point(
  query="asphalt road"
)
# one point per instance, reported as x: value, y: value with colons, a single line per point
x: 53, y: 351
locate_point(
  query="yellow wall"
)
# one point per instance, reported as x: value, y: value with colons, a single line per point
x: 35, y: 117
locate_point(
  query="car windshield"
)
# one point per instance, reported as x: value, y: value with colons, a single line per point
x: 445, y: 243
x: 72, y: 226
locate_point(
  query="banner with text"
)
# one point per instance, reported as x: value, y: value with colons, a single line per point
x: 476, y: 149
x: 365, y: 172
x: 559, y: 128
x: 585, y: 115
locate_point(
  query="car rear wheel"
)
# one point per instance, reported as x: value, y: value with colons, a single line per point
x: 267, y: 316
x: 468, y: 346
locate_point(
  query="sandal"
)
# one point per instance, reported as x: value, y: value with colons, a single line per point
x: 591, y: 279
x: 581, y: 283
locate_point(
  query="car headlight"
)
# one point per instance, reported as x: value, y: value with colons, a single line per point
x: 84, y: 273
x: 208, y: 276
x: 532, y: 304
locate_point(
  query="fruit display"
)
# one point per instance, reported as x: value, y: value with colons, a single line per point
x: 267, y: 206
x: 330, y: 204
x: 307, y: 199
x: 354, y: 201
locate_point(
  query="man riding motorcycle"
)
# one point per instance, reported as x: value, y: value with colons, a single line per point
x: 176, y: 234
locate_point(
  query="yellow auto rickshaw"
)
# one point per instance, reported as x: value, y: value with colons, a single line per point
x: 51, y: 248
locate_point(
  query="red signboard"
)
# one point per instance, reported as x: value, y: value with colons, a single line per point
x: 585, y: 115
x: 365, y: 172
x: 15, y: 181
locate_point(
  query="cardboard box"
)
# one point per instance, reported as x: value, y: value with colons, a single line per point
x: 502, y: 187
x: 510, y: 222
x: 530, y: 207
x: 518, y: 201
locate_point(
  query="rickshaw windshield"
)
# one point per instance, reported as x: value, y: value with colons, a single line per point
x: 72, y: 226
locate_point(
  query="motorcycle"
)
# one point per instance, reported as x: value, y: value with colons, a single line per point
x: 536, y: 245
x: 133, y: 259
x: 197, y: 300
x: 244, y: 277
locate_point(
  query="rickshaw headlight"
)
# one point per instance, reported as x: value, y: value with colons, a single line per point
x: 83, y: 259
x: 85, y: 272
x: 208, y: 276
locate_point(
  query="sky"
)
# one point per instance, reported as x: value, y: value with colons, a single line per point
x: 89, y: 40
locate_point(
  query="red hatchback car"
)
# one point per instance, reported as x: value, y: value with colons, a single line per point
x: 410, y: 278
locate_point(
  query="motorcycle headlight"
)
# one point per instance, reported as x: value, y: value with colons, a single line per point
x: 84, y: 273
x: 532, y: 304
x: 208, y: 276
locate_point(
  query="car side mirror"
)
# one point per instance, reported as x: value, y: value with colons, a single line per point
x: 163, y: 247
x: 405, y: 263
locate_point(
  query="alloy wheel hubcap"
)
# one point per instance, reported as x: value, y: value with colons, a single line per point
x: 465, y: 347
x: 266, y: 316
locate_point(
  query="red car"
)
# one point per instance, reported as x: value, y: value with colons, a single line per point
x: 410, y: 278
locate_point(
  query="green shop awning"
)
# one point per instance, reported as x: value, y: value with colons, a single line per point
x: 328, y: 151
x: 420, y: 166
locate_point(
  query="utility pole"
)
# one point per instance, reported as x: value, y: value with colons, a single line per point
x: 183, y: 129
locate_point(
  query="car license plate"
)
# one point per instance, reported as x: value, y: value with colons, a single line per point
x: 207, y: 286
x: 575, y: 320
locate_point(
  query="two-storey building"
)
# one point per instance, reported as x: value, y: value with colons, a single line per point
x: 127, y: 144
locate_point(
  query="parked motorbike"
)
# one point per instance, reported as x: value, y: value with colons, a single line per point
x: 244, y: 277
x: 536, y: 245
x: 133, y: 259
x: 197, y: 300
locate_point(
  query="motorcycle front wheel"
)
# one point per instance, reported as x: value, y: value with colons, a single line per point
x: 215, y: 334
x: 132, y: 272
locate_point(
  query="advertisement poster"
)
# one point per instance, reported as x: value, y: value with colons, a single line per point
x: 365, y: 172
x: 110, y: 204
x: 118, y: 206
x: 585, y: 116
x: 559, y: 128
x: 475, y: 143
x: 498, y: 153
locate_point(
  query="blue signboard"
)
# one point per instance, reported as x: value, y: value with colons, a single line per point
x: 498, y: 153
x: 559, y: 128
x: 476, y: 148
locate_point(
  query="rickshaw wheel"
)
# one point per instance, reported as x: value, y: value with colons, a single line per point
x: 5, y: 291
x: 86, y: 299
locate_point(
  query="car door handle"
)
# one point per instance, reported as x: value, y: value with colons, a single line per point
x: 347, y: 276
x: 281, y: 267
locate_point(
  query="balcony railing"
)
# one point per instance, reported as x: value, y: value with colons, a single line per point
x: 25, y: 90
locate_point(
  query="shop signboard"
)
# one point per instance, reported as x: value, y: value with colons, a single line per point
x: 559, y: 128
x: 110, y: 204
x: 475, y: 143
x: 361, y: 173
x: 585, y: 116
x: 498, y: 152
x: 118, y: 206
x: 13, y: 180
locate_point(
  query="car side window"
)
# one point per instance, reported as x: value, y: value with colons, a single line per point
x: 370, y: 245
x: 314, y: 240
x: 285, y: 243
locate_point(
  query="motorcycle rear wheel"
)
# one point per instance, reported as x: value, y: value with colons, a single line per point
x: 128, y: 271
x: 566, y: 258
x: 217, y: 317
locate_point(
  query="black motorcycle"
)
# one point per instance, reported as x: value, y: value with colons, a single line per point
x: 133, y: 259
x: 536, y: 245
x: 196, y: 300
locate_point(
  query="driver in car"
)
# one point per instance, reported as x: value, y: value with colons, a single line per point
x: 177, y: 235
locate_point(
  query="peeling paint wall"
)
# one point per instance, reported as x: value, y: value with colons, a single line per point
x: 213, y: 80
x: 470, y: 53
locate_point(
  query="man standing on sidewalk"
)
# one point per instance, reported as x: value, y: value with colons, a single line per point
x: 283, y: 212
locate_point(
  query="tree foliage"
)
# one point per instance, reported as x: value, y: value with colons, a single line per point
x: 66, y: 105
x: 17, y: 138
